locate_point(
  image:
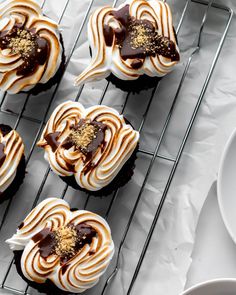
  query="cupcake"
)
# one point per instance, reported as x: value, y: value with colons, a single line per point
x: 91, y: 149
x: 31, y: 49
x: 58, y: 250
x: 12, y: 162
x: 132, y: 46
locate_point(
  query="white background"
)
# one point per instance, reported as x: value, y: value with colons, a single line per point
x: 169, y: 256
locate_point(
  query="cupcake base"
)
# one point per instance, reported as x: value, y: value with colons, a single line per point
x: 135, y: 86
x: 122, y: 178
x: 55, y: 79
x: 144, y: 82
x: 47, y: 288
x: 20, y: 173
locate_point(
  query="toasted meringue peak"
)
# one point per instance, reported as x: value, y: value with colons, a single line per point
x: 84, y: 269
x: 104, y: 28
x: 97, y: 171
x: 17, y: 71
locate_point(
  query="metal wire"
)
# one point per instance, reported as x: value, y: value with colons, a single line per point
x: 159, y: 142
x: 148, y: 239
x: 176, y: 162
x: 44, y: 118
x: 154, y: 154
x: 54, y: 92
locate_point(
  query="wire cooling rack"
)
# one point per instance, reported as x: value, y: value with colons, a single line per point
x: 9, y: 280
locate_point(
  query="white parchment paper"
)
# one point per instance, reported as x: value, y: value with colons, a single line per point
x: 168, y: 258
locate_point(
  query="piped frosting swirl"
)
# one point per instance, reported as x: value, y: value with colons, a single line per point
x: 30, y: 49
x: 11, y: 153
x: 96, y: 160
x: 80, y: 271
x: 134, y: 39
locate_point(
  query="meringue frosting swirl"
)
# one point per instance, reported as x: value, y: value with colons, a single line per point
x: 104, y: 29
x: 84, y: 269
x: 11, y: 153
x: 97, y: 171
x: 22, y: 24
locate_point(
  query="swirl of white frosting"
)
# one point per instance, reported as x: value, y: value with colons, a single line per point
x: 84, y: 269
x: 13, y: 148
x: 120, y: 142
x: 28, y: 13
x: 107, y: 60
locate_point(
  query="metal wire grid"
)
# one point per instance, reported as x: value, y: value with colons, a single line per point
x: 154, y: 155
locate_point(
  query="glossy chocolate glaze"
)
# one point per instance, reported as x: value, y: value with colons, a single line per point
x: 47, y: 241
x: 157, y: 45
x: 41, y: 235
x: 95, y: 143
x: 122, y: 15
x: 47, y: 244
x: 89, y: 151
x: 51, y: 139
x: 36, y: 56
x: 108, y: 35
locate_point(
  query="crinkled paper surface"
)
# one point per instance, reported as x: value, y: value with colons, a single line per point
x: 168, y: 258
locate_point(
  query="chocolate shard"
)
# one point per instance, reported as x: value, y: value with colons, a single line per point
x: 52, y: 140
x: 138, y: 39
x: 86, y: 137
x: 28, y: 44
x: 65, y: 242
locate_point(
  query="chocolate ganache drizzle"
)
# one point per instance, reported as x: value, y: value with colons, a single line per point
x: 52, y: 140
x: 86, y: 137
x: 30, y: 48
x: 138, y: 39
x: 28, y: 44
x: 135, y: 39
x: 65, y: 242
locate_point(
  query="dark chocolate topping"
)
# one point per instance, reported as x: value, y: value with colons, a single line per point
x: 2, y: 154
x: 32, y: 48
x: 122, y: 15
x: 41, y: 235
x: 49, y: 243
x: 108, y: 34
x: 51, y: 139
x: 138, y: 39
x: 64, y: 268
x: 86, y: 137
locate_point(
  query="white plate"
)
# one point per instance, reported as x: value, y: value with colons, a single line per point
x: 226, y: 186
x: 215, y: 287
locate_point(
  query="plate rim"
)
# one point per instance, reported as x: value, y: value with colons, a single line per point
x: 219, y: 185
x: 207, y: 283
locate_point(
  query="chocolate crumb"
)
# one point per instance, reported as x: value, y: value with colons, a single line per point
x: 23, y: 43
x: 83, y: 136
x: 66, y: 238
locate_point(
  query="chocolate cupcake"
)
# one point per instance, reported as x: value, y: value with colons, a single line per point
x: 91, y: 149
x: 31, y: 49
x: 12, y: 162
x: 132, y: 46
x: 58, y: 250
